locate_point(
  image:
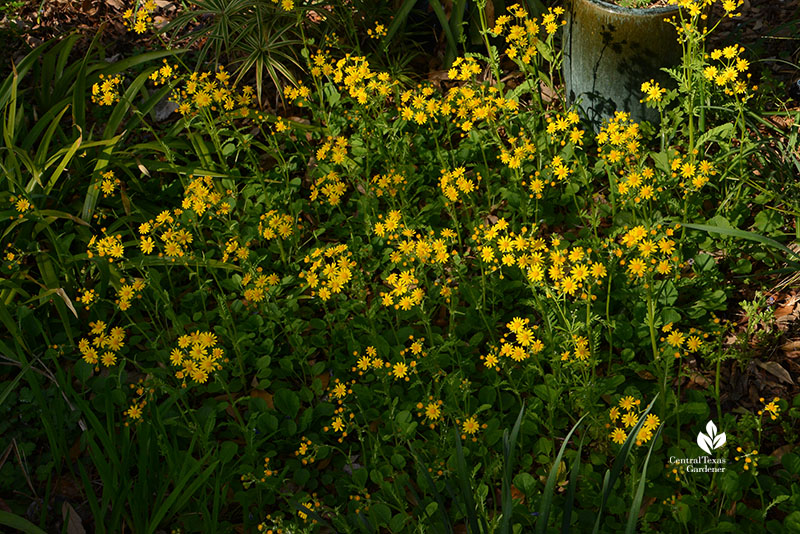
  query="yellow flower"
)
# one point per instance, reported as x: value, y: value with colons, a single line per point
x: 637, y: 266
x: 629, y: 419
x: 432, y: 411
x: 400, y: 370
x: 338, y: 424
x: 675, y: 338
x: 470, y: 426
x: 627, y: 403
x: 618, y: 436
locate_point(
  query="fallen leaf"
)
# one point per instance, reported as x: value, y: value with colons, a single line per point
x: 261, y: 394
x: 791, y: 346
x: 776, y: 369
x: 72, y: 519
x: 780, y: 451
x: 63, y: 294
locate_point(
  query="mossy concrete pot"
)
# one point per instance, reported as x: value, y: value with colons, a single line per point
x: 609, y: 51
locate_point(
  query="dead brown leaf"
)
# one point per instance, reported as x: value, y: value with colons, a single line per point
x: 776, y: 369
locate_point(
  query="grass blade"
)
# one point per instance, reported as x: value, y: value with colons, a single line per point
x: 450, y: 55
x: 509, y: 447
x: 547, y: 495
x: 573, y: 482
x: 633, y: 515
x: 399, y: 20
x: 19, y: 523
x: 466, y: 489
x: 611, y: 476
x: 742, y: 234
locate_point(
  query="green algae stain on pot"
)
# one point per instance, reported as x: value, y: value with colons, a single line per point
x: 609, y: 51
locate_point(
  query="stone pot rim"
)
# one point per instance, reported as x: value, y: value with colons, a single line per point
x: 614, y: 8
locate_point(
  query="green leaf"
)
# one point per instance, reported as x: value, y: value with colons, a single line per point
x: 768, y: 220
x: 399, y: 20
x: 791, y: 462
x: 19, y: 523
x: 750, y: 236
x: 547, y: 494
x: 287, y: 402
x: 227, y: 451
x: 636, y: 506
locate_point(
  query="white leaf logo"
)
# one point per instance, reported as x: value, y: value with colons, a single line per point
x: 710, y: 441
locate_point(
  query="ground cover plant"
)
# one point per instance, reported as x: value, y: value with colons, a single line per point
x: 271, y: 282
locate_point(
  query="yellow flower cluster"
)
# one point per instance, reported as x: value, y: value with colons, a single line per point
x: 521, y: 150
x: 676, y: 340
x: 631, y: 406
x: 571, y: 271
x: 367, y: 361
x: 379, y: 31
x: 519, y: 344
x: 388, y: 184
x: 619, y: 140
x: 274, y: 225
x: 128, y: 292
x: 333, y: 149
x: 110, y: 343
x: 464, y: 69
x: 470, y: 427
x: 109, y: 183
x: 469, y: 106
x: 421, y: 104
x: 580, y: 350
x: 164, y: 74
x: 430, y: 412
x: 109, y: 246
x: 464, y: 106
x: 638, y: 185
x: 139, y: 20
x: 729, y: 71
x: 106, y: 91
x: 455, y: 184
x: 330, y: 186
x: 200, y: 196
x: 134, y: 411
x: 695, y: 7
x: 297, y: 95
x: 771, y: 408
x: 329, y: 269
x: 750, y: 459
x: 522, y: 33
x: 340, y: 422
x: 257, y: 286
x: 235, y: 251
x: 409, y: 245
x: 21, y: 205
x: 405, y: 291
x: 558, y: 129
x: 652, y: 91
x: 353, y: 74
x: 286, y: 5
x: 211, y: 91
x: 174, y: 236
x: 197, y: 356
x: 87, y: 297
x: 412, y: 250
x: 307, y: 451
x: 652, y: 250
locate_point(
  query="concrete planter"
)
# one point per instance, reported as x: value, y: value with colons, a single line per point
x: 609, y: 51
